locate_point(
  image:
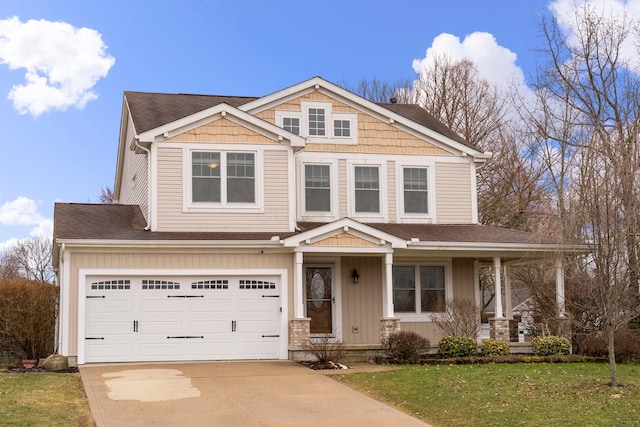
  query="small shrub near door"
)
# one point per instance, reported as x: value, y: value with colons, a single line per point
x: 550, y: 345
x: 457, y: 347
x: 326, y: 350
x: 406, y: 347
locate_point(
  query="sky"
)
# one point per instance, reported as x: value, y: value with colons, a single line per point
x: 65, y: 64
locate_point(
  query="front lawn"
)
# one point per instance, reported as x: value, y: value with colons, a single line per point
x: 43, y: 399
x: 540, y: 394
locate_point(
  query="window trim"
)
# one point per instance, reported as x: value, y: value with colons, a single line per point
x: 404, y: 217
x: 282, y: 114
x: 313, y: 216
x: 330, y: 116
x: 383, y: 215
x: 223, y: 206
x: 419, y: 316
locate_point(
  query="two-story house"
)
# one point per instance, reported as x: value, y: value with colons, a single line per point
x: 243, y: 226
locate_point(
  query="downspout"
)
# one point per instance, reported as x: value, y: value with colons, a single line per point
x: 149, y: 207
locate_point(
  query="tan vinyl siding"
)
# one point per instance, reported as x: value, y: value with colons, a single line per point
x: 374, y: 135
x: 391, y: 192
x: 343, y: 193
x: 135, y: 178
x: 184, y: 260
x: 361, y: 302
x: 453, y: 193
x: 222, y: 131
x: 170, y: 198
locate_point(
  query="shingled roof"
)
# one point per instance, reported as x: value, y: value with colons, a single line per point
x: 151, y: 110
x: 81, y: 221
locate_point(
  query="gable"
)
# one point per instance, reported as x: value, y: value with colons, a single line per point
x: 375, y: 136
x: 345, y: 240
x: 222, y: 130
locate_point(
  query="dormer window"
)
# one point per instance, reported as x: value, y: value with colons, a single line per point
x: 319, y: 123
x: 342, y: 128
x: 292, y: 124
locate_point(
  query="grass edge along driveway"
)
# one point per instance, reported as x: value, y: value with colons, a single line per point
x: 43, y: 399
x: 525, y: 394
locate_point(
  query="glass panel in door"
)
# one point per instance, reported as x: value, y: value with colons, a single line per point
x: 319, y: 299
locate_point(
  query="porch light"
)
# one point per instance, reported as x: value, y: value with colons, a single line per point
x: 355, y: 276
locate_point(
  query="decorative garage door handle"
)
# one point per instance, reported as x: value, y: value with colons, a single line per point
x: 95, y: 296
x: 271, y: 336
x: 270, y: 296
x: 186, y: 337
x: 94, y: 338
x: 185, y: 296
x: 233, y: 326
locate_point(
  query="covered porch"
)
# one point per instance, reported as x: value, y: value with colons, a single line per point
x: 347, y: 285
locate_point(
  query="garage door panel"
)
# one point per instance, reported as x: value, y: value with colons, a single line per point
x: 221, y: 318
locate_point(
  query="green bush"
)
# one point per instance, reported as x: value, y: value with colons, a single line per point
x: 457, y: 347
x: 406, y: 346
x: 492, y: 347
x: 550, y: 345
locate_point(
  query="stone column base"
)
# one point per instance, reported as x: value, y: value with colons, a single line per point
x: 502, y: 329
x: 299, y: 331
x: 387, y: 327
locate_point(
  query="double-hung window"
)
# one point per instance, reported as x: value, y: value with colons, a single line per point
x: 317, y: 121
x: 416, y: 191
x: 419, y: 289
x: 317, y: 188
x: 367, y: 189
x: 223, y: 178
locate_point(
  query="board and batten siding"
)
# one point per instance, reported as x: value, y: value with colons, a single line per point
x: 453, y: 193
x: 186, y: 259
x: 134, y: 183
x: 171, y: 216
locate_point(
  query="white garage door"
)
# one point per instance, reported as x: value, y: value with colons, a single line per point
x: 182, y: 318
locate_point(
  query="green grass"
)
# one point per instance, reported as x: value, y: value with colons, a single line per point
x: 43, y: 399
x: 540, y: 394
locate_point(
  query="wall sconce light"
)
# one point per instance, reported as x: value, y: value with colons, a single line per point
x: 355, y: 276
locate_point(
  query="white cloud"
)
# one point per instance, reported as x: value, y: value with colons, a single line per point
x: 495, y: 63
x: 565, y: 12
x: 63, y: 63
x: 24, y: 212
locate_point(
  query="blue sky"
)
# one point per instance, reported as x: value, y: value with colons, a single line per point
x: 65, y: 64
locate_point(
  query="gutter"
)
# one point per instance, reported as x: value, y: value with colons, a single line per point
x: 149, y: 207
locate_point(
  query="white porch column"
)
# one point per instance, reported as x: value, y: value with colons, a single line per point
x: 496, y: 275
x: 560, y: 287
x: 298, y: 282
x: 508, y: 307
x: 387, y: 293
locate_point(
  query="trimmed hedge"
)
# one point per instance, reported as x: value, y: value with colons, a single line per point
x: 493, y: 347
x: 457, y: 347
x: 550, y: 345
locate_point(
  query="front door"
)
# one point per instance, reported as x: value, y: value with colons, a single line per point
x: 319, y: 299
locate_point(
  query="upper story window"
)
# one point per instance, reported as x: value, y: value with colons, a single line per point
x: 317, y: 122
x: 223, y: 178
x: 416, y: 191
x: 367, y: 189
x: 292, y: 124
x: 317, y: 188
x: 342, y: 128
x: 419, y: 289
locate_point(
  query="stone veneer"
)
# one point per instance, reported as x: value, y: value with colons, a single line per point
x: 387, y: 327
x: 299, y: 331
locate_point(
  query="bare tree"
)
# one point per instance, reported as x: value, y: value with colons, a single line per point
x: 8, y: 267
x: 32, y: 258
x: 594, y: 93
x: 106, y: 196
x: 381, y: 91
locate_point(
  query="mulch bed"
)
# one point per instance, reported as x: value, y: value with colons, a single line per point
x: 21, y: 370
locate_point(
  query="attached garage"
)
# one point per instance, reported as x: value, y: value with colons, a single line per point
x: 156, y: 317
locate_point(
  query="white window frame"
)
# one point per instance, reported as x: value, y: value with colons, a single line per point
x: 418, y: 315
x: 411, y: 217
x: 381, y: 216
x: 281, y: 114
x: 315, y: 216
x: 330, y: 116
x: 353, y: 128
x: 223, y: 206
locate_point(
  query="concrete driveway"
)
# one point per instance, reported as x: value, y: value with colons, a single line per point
x: 228, y: 394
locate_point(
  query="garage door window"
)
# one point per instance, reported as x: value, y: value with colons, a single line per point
x: 112, y: 284
x: 256, y: 284
x: 159, y: 284
x: 210, y: 284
